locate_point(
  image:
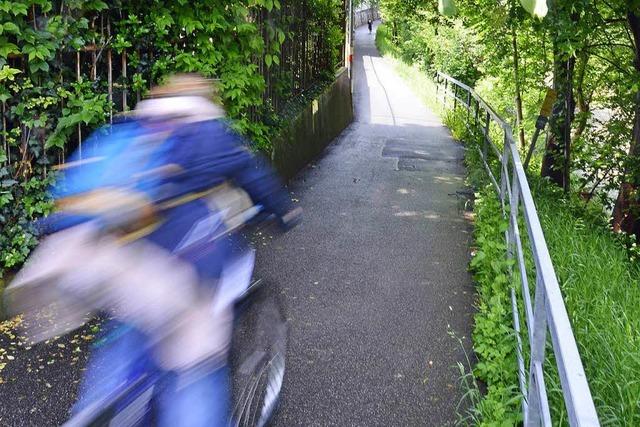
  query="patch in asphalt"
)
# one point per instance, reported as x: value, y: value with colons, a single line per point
x: 420, y: 165
x: 405, y: 149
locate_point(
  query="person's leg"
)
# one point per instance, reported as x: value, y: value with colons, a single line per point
x: 193, y: 399
x: 116, y: 355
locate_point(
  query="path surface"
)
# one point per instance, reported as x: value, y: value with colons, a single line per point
x: 376, y: 276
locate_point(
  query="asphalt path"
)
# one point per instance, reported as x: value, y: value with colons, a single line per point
x: 375, y: 279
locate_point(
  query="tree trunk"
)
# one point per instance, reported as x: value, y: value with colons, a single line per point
x: 557, y: 157
x: 556, y: 161
x: 626, y: 212
x: 516, y: 75
x: 583, y: 101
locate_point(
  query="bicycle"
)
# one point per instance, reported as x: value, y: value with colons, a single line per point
x: 257, y: 357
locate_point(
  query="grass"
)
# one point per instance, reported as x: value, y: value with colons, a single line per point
x: 600, y: 283
x: 419, y: 82
x: 601, y: 288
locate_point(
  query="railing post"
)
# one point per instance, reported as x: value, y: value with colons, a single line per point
x: 446, y: 93
x: 514, y: 200
x: 504, y: 181
x: 455, y: 97
x: 477, y: 112
x: 485, y: 136
x: 468, y: 105
x: 538, y: 408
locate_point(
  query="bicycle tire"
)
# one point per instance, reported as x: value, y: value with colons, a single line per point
x: 258, y: 358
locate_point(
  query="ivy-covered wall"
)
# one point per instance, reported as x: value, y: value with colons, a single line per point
x: 69, y: 66
x: 320, y: 122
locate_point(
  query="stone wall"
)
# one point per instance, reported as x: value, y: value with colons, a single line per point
x: 314, y: 128
x: 362, y: 16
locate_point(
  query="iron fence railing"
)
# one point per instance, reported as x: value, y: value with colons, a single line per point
x: 544, y: 311
x: 307, y: 57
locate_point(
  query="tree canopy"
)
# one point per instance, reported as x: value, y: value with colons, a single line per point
x: 588, y: 51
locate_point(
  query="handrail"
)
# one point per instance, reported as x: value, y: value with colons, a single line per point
x: 548, y: 312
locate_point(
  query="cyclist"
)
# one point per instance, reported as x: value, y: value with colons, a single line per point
x: 166, y: 184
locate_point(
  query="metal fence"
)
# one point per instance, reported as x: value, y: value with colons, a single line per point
x: 307, y: 56
x: 544, y: 311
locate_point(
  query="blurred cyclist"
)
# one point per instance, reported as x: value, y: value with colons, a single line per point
x: 146, y: 233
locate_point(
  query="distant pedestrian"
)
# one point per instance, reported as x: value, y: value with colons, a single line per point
x: 370, y: 25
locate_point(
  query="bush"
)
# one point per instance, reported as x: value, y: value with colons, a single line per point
x: 455, y: 52
x: 453, y: 48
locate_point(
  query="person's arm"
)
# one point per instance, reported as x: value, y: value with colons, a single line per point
x: 254, y: 175
x: 211, y: 153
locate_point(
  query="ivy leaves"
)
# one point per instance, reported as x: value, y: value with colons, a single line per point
x: 82, y: 106
x: 268, y: 4
x: 14, y: 8
x: 7, y: 74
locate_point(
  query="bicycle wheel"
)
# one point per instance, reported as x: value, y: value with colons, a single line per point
x: 258, y: 358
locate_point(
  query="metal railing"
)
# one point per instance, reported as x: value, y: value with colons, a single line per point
x: 547, y: 312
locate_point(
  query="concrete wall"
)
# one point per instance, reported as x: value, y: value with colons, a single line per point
x: 314, y: 128
x: 362, y: 16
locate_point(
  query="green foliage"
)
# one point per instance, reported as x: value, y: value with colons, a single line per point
x: 17, y: 239
x: 493, y: 336
x: 586, y: 50
x: 81, y: 107
x: 598, y: 273
x: 434, y: 43
x: 383, y: 41
x: 494, y: 341
x: 601, y: 288
x: 52, y: 95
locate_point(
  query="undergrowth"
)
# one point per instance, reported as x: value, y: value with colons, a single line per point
x: 494, y: 341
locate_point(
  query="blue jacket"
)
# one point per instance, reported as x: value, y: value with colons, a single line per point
x: 200, y: 156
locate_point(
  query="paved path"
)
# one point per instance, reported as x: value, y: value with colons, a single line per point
x: 376, y: 276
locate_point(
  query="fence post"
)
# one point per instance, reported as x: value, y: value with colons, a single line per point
x: 477, y: 112
x: 485, y: 137
x: 455, y: 97
x: 446, y: 92
x: 504, y: 183
x: 536, y: 414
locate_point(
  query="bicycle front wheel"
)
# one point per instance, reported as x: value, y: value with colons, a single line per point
x: 258, y: 358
